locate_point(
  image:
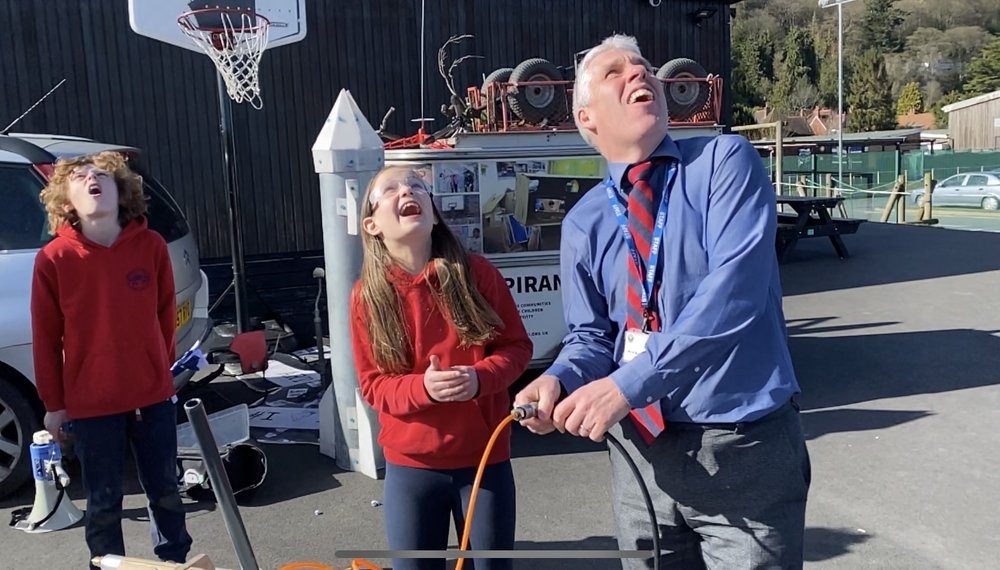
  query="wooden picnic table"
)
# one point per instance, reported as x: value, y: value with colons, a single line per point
x: 811, y: 217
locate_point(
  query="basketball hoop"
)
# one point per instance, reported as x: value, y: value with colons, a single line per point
x: 234, y: 40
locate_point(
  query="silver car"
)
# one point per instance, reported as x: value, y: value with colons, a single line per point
x: 25, y: 163
x: 971, y: 190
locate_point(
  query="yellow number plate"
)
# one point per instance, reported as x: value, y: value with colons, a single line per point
x: 183, y: 314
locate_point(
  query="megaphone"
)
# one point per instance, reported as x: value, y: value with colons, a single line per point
x: 52, y: 510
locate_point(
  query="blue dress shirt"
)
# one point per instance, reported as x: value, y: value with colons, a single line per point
x: 721, y: 355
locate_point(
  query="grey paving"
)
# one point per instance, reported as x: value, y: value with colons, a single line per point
x: 898, y: 352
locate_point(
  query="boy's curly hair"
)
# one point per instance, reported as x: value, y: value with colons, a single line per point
x: 131, y: 200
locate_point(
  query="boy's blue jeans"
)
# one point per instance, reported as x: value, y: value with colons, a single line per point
x: 100, y: 445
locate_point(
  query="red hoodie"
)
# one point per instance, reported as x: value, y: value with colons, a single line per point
x: 103, y: 321
x: 416, y: 430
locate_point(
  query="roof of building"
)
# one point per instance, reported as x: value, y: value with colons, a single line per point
x: 897, y: 135
x: 923, y: 120
x: 935, y: 134
x: 972, y: 101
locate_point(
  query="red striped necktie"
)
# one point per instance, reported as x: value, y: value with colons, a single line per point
x: 642, y: 208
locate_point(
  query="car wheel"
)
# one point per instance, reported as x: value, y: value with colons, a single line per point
x: 991, y: 203
x: 918, y: 200
x: 18, y: 421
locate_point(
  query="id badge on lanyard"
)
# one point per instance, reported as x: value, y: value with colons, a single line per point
x: 635, y: 344
x: 635, y: 340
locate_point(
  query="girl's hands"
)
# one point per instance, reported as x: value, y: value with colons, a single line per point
x: 456, y: 384
x: 470, y: 385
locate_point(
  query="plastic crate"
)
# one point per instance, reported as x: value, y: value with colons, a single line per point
x: 229, y: 427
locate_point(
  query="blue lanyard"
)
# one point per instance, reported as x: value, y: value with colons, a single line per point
x: 654, y: 247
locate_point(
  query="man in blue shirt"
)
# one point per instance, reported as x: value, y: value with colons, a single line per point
x: 677, y: 342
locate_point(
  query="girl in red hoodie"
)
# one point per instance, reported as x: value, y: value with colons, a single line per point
x: 103, y: 323
x: 437, y: 342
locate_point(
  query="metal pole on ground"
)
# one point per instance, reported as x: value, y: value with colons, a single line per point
x: 840, y: 84
x: 346, y: 155
x: 840, y: 94
x: 195, y: 411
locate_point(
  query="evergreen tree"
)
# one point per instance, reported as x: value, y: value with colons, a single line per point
x: 984, y: 71
x: 869, y: 97
x: 752, y: 68
x: 911, y: 100
x: 940, y: 117
x: 743, y: 114
x: 824, y: 39
x: 881, y: 26
x: 798, y: 64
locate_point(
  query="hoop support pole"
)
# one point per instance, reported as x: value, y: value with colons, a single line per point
x: 231, y: 182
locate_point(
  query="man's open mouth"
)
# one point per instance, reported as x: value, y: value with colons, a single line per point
x: 94, y: 190
x: 641, y: 95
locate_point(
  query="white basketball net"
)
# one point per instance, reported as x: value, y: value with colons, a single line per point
x: 235, y: 48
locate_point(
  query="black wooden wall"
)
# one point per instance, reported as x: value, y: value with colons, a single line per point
x: 129, y: 89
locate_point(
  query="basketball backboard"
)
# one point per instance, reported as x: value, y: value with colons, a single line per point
x: 157, y: 19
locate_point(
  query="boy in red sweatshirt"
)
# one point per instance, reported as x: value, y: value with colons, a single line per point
x: 103, y: 324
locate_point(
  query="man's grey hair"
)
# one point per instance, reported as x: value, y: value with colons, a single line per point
x: 581, y: 87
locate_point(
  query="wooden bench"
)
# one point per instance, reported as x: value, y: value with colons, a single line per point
x: 811, y: 217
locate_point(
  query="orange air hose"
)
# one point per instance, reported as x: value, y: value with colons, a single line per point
x: 518, y: 414
x: 475, y: 486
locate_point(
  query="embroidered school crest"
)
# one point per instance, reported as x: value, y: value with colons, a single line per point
x: 138, y: 279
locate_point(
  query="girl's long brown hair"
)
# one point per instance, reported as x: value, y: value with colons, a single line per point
x: 131, y: 200
x: 454, y: 289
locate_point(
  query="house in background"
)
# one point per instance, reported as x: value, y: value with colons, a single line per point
x: 817, y: 122
x: 916, y: 120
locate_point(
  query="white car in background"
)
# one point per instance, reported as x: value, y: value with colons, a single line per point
x: 26, y: 161
x: 969, y: 190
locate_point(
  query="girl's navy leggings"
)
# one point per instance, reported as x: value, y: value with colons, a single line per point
x: 420, y: 505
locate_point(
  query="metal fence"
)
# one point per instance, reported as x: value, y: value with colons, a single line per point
x: 869, y: 179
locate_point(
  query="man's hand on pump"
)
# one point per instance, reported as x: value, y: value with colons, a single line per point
x: 588, y: 412
x: 544, y: 391
x: 591, y: 410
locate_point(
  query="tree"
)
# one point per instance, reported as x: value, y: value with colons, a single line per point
x: 804, y: 94
x: 753, y: 68
x: 936, y: 60
x: 910, y: 99
x: 984, y: 71
x: 824, y: 39
x: 869, y: 98
x: 798, y: 62
x: 945, y: 14
x: 743, y: 114
x: 880, y: 26
x: 940, y: 117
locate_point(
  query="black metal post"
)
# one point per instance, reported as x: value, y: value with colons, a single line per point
x: 320, y: 275
x: 230, y: 179
x: 223, y: 490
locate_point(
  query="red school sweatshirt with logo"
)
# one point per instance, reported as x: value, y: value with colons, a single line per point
x: 417, y: 431
x: 103, y: 321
